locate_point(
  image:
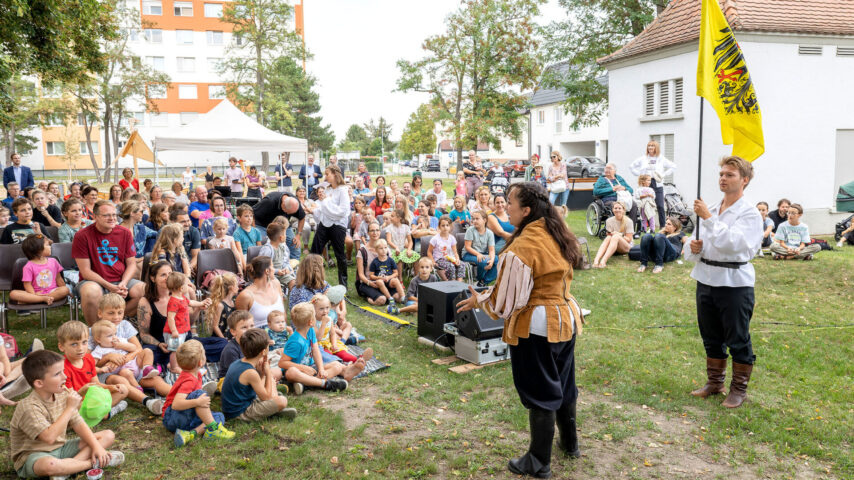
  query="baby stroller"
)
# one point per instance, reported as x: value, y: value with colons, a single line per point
x: 674, y: 206
x: 498, y: 182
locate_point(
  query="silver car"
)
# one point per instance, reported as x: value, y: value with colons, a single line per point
x: 584, y: 167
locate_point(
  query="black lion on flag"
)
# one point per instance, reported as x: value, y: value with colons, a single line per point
x: 734, y: 84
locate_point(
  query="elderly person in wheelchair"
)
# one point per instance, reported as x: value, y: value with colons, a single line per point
x: 609, y: 188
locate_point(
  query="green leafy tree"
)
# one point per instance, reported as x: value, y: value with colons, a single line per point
x: 379, y: 137
x: 262, y: 35
x: 356, y: 138
x: 475, y: 70
x: 592, y: 29
x: 419, y: 135
x: 21, y: 112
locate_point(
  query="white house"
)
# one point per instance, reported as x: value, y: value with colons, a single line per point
x: 801, y: 59
x: 551, y: 127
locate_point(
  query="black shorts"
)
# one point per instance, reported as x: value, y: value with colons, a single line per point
x: 367, y: 291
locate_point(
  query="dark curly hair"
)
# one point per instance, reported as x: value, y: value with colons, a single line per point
x: 533, y: 195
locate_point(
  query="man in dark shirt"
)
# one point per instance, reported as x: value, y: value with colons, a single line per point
x: 275, y: 204
x: 781, y: 214
x: 192, y: 237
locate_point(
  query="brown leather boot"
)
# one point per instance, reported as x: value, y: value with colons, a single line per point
x: 716, y: 373
x: 738, y: 385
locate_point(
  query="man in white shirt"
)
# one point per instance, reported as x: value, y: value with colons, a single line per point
x: 234, y: 178
x: 730, y: 235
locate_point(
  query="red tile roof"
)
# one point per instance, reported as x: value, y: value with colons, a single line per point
x: 680, y: 22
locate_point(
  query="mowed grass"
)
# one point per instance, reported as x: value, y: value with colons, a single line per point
x: 637, y: 359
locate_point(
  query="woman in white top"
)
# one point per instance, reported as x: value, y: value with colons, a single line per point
x: 657, y: 166
x: 264, y: 295
x: 332, y: 214
x: 556, y: 179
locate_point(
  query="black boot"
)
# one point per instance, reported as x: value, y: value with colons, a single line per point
x: 568, y: 441
x: 536, y: 462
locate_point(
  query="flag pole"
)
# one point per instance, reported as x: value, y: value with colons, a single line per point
x: 699, y: 166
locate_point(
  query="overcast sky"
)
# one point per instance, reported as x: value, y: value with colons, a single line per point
x: 356, y: 44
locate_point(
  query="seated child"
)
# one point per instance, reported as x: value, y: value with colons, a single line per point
x: 480, y: 249
x: 301, y: 359
x: 12, y: 382
x: 37, y: 435
x: 278, y: 331
x: 249, y: 390
x: 80, y: 370
x: 170, y: 247
x: 384, y: 272
x: 424, y: 275
x: 24, y: 226
x: 421, y: 228
x: 399, y: 240
x: 187, y: 410
x: 223, y: 290
x: 72, y: 210
x: 338, y: 313
x: 245, y: 234
x: 460, y: 214
x: 41, y: 277
x: 178, y: 315
x: 139, y: 360
x: 792, y: 239
x: 277, y: 250
x: 5, y: 217
x: 443, y: 249
x: 221, y: 240
x: 330, y: 337
x: 767, y: 225
x: 645, y: 199
x: 238, y: 322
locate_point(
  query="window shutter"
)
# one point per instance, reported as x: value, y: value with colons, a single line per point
x: 677, y: 96
x: 649, y: 100
x: 845, y: 51
x: 809, y: 49
x: 664, y: 98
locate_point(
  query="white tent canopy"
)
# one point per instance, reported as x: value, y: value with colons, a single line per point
x: 223, y: 129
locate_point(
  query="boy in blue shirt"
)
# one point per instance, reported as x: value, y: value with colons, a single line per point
x: 792, y: 240
x: 245, y: 233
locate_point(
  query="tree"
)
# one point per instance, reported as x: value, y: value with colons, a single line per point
x: 262, y: 35
x: 592, y: 29
x: 20, y: 113
x: 419, y: 135
x: 356, y: 138
x: 475, y: 71
x: 379, y: 134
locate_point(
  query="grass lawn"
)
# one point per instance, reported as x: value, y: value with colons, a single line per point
x: 639, y: 356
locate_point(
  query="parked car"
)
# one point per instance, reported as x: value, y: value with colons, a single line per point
x: 487, y: 165
x: 584, y: 167
x: 433, y: 165
x: 516, y: 168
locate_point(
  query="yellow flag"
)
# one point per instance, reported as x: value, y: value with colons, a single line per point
x: 723, y: 80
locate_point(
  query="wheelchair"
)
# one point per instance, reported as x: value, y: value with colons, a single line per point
x: 599, y: 211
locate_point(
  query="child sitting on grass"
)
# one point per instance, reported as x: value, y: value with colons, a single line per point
x: 245, y: 234
x: 238, y: 323
x: 330, y: 335
x: 460, y: 214
x: 220, y: 239
x: 384, y: 272
x: 178, y: 315
x: 277, y: 250
x: 249, y: 390
x: 767, y: 226
x: 278, y: 333
x: 301, y: 359
x: 37, y: 435
x: 187, y: 410
x: 139, y: 360
x: 792, y: 239
x: 41, y: 277
x: 424, y: 275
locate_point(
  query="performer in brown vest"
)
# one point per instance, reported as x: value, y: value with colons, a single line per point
x: 541, y: 319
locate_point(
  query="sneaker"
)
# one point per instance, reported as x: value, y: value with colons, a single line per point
x: 183, y: 437
x: 480, y: 284
x: 641, y: 269
x: 657, y: 269
x: 807, y: 258
x: 335, y: 384
x: 391, y: 306
x: 210, y: 388
x: 156, y: 406
x: 15, y: 388
x: 149, y: 371
x: 298, y: 388
x: 37, y: 345
x: 119, y: 408
x: 289, y: 413
x: 839, y: 244
x: 585, y: 312
x: 116, y: 458
x: 24, y: 313
x: 219, y: 432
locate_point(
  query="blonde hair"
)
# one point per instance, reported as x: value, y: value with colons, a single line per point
x: 407, y: 214
x: 310, y: 273
x: 643, y: 179
x: 623, y: 224
x: 176, y: 281
x: 557, y: 154
x: 220, y: 286
x: 275, y: 314
x: 102, y: 326
x: 220, y: 221
x: 480, y: 213
x: 302, y: 314
x: 744, y: 167
x: 380, y: 243
x: 190, y: 354
x: 71, y: 330
x: 319, y: 298
x: 111, y: 300
x: 128, y: 207
x: 425, y: 259
x: 169, y: 240
x: 657, y: 150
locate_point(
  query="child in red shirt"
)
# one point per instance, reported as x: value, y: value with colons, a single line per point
x: 178, y: 316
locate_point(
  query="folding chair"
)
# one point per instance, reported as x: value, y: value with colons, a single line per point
x: 62, y: 252
x: 218, y: 259
x: 469, y: 269
x: 253, y: 252
x: 8, y: 255
x: 51, y: 232
x: 18, y: 284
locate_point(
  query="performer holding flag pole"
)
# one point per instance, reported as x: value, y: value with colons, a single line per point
x: 729, y: 233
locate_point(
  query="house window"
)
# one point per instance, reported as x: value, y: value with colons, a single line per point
x: 157, y: 63
x: 186, y: 64
x: 214, y: 64
x: 54, y: 120
x: 84, y: 148
x: 677, y: 95
x: 213, y: 10
x: 216, y: 92
x: 662, y: 98
x: 183, y: 9
x: 152, y: 7
x: 541, y: 117
x: 520, y: 142
x: 138, y: 116
x: 89, y: 120
x: 157, y: 91
x: 188, y: 117
x: 133, y: 35
x: 668, y: 149
x: 184, y: 37
x: 238, y: 40
x: 55, y: 148
x: 153, y: 35
x: 214, y: 37
x: 558, y: 112
x: 159, y: 119
x: 187, y: 92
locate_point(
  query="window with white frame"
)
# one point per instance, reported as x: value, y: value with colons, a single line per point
x: 183, y: 9
x: 213, y: 10
x: 186, y: 64
x: 668, y: 149
x: 215, y: 37
x: 157, y: 63
x: 558, y: 113
x: 662, y: 98
x: 188, y: 92
x: 214, y: 64
x: 139, y: 117
x: 238, y: 39
x: 153, y: 35
x: 84, y: 148
x: 152, y: 7
x: 541, y: 117
x: 156, y: 90
x: 159, y: 119
x: 188, y: 117
x: 133, y: 34
x: 216, y: 92
x: 55, y: 148
x: 89, y: 120
x: 184, y: 37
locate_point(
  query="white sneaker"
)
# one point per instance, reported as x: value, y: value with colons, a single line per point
x: 298, y: 388
x: 156, y: 406
x: 119, y: 408
x: 839, y: 244
x: 37, y: 345
x: 585, y: 312
x: 209, y: 388
x: 116, y: 459
x: 15, y: 388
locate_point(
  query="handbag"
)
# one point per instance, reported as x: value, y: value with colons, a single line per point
x: 558, y: 186
x: 623, y: 196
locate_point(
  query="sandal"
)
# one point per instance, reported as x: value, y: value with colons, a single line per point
x: 657, y: 269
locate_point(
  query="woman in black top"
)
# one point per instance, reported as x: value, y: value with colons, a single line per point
x: 665, y: 246
x: 209, y: 178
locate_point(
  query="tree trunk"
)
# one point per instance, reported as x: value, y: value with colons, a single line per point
x: 87, y: 128
x: 105, y: 122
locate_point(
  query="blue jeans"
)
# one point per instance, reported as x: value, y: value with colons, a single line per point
x: 295, y: 250
x: 483, y: 275
x: 187, y: 419
x: 657, y: 248
x: 559, y: 199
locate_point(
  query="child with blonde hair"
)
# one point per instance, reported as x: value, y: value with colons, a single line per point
x: 460, y: 185
x: 460, y: 214
x: 170, y: 247
x: 330, y: 335
x: 223, y: 289
x: 645, y: 198
x: 222, y: 240
x: 139, y: 360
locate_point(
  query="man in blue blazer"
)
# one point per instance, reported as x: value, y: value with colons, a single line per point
x: 17, y: 173
x: 310, y: 175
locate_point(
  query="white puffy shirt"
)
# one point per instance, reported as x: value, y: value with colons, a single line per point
x: 656, y: 167
x: 733, y: 236
x: 335, y: 208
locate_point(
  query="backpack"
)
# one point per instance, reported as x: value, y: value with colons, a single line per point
x: 841, y: 226
x: 822, y: 243
x: 11, y: 345
x: 209, y: 276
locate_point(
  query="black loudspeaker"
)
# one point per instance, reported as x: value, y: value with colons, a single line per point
x: 476, y: 324
x: 251, y: 201
x: 436, y: 307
